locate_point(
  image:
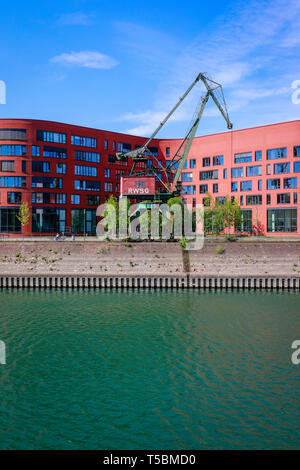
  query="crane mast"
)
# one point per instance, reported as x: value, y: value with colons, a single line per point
x: 171, y: 177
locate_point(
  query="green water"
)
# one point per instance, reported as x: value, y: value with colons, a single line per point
x: 149, y: 370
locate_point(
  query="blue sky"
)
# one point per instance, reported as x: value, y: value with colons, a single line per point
x: 120, y: 66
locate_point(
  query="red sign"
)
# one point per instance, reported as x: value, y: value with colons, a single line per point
x: 137, y: 185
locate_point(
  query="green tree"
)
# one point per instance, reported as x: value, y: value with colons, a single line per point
x: 23, y: 215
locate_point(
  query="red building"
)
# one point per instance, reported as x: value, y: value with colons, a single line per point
x: 65, y: 171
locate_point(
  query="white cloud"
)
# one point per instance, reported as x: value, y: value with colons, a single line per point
x: 76, y: 18
x: 89, y: 59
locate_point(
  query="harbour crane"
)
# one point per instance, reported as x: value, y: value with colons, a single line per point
x: 143, y: 175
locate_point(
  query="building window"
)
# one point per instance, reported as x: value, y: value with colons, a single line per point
x: 9, y: 221
x: 258, y: 155
x: 108, y: 187
x: 83, y: 221
x: 215, y: 188
x: 242, y: 200
x: 225, y: 173
x: 107, y: 172
x: 253, y: 170
x: 12, y: 181
x: 186, y: 177
x: 206, y: 161
x: 246, y: 185
x: 254, y: 200
x: 87, y: 185
x: 296, y: 167
x: 290, y: 183
x: 245, y: 223
x: 273, y: 183
x: 48, y: 220
x: 268, y: 198
x: 273, y: 154
x: 61, y: 168
x: 259, y: 185
x: 283, y: 198
x: 237, y: 172
x: 83, y: 141
x: 24, y: 166
x: 39, y: 166
x: 268, y: 169
x: 234, y: 186
x: 114, y: 145
x: 167, y: 152
x: 46, y: 182
x: 124, y: 147
x: 281, y: 168
x: 85, y: 170
x: 203, y: 188
x: 243, y: 157
x: 209, y: 175
x: 13, y: 134
x: 297, y: 151
x: 295, y: 198
x: 218, y: 160
x: 221, y: 200
x: 120, y: 173
x: 49, y: 136
x: 13, y: 150
x: 282, y: 220
x: 193, y: 163
x: 7, y: 165
x: 54, y: 152
x: 188, y: 189
x: 106, y: 144
x: 92, y: 200
x: 84, y: 156
x: 35, y: 150
x: 14, y: 197
x: 75, y: 199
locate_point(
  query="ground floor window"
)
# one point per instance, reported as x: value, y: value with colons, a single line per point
x: 84, y: 221
x: 48, y: 220
x: 8, y: 220
x: 282, y: 220
x: 245, y: 222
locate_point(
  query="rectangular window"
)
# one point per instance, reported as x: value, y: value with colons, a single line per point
x: 92, y: 200
x: 242, y: 200
x: 273, y: 183
x: 114, y: 145
x: 48, y: 198
x: 255, y: 200
x: 296, y: 167
x: 297, y: 151
x: 237, y: 172
x: 48, y: 220
x: 284, y: 198
x: 268, y: 169
x: 124, y: 147
x: 243, y: 157
x: 13, y: 150
x: 85, y: 156
x: 12, y: 181
x: 246, y: 185
x: 120, y: 173
x: 282, y: 220
x: 221, y: 200
x: 106, y: 144
x: 281, y: 168
x: 268, y: 198
x: 186, y: 177
x: 46, y: 182
x: 273, y: 154
x: 192, y: 163
x: 50, y: 136
x: 61, y: 168
x: 13, y: 134
x: 82, y: 141
x: 83, y: 220
x: 85, y: 170
x: 203, y: 188
x: 87, y: 185
x: 206, y: 161
x: 234, y: 186
x: 7, y: 165
x: 209, y: 175
x: 253, y: 170
x: 215, y: 188
x: 295, y: 198
x: 9, y: 221
x: 112, y: 159
x: 290, y: 183
x: 188, y: 189
x: 14, y: 197
x: 54, y: 152
x: 258, y: 155
x: 39, y: 166
x: 259, y: 185
x: 108, y: 187
x: 75, y: 199
x: 107, y: 172
x: 167, y: 152
x: 225, y: 173
x: 35, y: 150
x: 218, y: 160
x: 245, y: 222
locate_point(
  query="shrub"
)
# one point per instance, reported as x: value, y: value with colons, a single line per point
x: 220, y: 250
